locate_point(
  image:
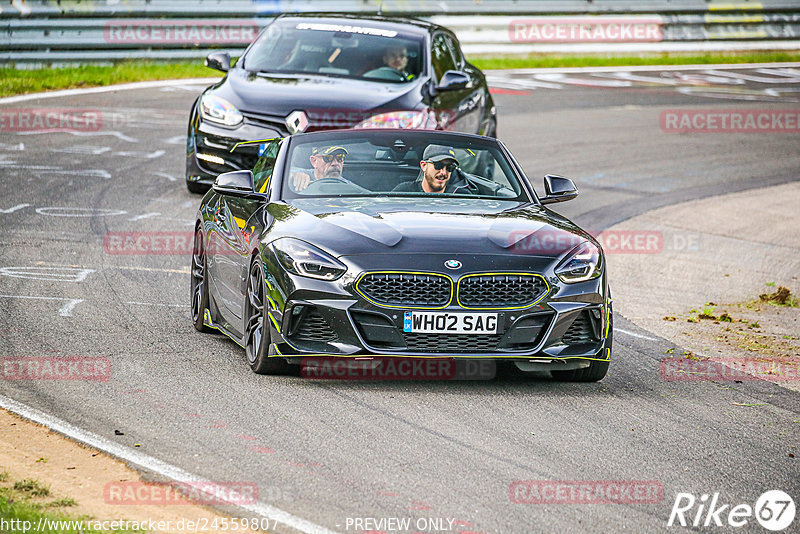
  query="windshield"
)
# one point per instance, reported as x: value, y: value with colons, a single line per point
x: 398, y: 163
x: 337, y: 48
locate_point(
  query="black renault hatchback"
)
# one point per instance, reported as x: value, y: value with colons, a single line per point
x: 309, y: 73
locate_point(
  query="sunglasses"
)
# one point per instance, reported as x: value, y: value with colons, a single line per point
x: 329, y: 159
x: 439, y: 165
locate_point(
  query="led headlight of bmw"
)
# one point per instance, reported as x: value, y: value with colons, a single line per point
x: 304, y: 259
x: 582, y: 264
x: 217, y: 109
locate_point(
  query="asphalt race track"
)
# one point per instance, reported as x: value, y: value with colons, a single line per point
x: 328, y: 451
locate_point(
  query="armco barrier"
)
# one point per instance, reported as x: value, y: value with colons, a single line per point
x: 47, y: 31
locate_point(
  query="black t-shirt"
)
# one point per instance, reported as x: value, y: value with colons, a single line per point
x: 416, y: 187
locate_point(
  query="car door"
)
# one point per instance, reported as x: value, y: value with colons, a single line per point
x: 456, y: 110
x: 234, y: 229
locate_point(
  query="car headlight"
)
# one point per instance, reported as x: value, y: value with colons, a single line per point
x: 582, y: 264
x: 219, y: 110
x: 304, y: 259
x: 407, y: 120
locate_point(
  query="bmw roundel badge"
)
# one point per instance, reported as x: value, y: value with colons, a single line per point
x: 452, y: 264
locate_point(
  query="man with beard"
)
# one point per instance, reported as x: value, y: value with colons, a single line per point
x: 438, y: 164
x: 326, y: 162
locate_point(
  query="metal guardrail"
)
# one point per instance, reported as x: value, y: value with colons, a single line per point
x: 72, y: 31
x: 239, y: 8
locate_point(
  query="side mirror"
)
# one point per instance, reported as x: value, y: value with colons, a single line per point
x: 454, y: 80
x: 558, y: 189
x: 236, y: 183
x: 219, y: 61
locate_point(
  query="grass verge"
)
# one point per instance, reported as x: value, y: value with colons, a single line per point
x: 15, y: 82
x: 24, y: 506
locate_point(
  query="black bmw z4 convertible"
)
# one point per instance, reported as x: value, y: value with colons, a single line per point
x: 358, y: 244
x: 308, y: 73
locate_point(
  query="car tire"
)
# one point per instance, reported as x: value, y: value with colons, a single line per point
x: 596, y: 371
x: 199, y: 283
x: 257, y: 327
x: 196, y: 187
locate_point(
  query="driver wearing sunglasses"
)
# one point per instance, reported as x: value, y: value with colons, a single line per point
x: 438, y: 163
x: 326, y: 161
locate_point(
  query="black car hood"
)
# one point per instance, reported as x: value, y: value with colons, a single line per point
x: 446, y: 225
x: 280, y: 94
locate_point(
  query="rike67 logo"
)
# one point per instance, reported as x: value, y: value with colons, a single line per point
x: 774, y: 510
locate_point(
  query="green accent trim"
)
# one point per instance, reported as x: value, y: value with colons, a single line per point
x: 278, y: 328
x: 242, y: 143
x: 450, y: 300
x: 537, y: 301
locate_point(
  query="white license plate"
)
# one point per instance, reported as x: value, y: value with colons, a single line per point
x: 450, y: 323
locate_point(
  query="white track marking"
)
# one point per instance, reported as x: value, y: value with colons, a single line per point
x: 52, y: 274
x: 157, y: 304
x: 779, y: 77
x: 628, y: 333
x: 16, y: 147
x: 83, y: 149
x: 145, y: 216
x: 107, y: 89
x: 49, y: 169
x: 640, y: 68
x: 64, y: 311
x: 138, y: 154
x: 167, y: 176
x: 149, y: 463
x: 563, y: 78
x: 78, y: 212
x: 185, y: 270
x: 118, y: 135
x: 15, y: 208
x: 177, y: 140
x: 520, y: 83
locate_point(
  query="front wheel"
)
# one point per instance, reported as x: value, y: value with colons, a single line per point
x: 199, y: 285
x: 257, y: 329
x: 596, y: 371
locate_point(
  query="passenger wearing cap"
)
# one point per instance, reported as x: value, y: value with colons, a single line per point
x: 438, y: 163
x: 326, y: 161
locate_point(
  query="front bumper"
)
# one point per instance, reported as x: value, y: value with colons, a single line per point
x: 208, y: 148
x: 316, y: 318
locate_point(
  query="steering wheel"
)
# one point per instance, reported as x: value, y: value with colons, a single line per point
x: 320, y: 183
x: 386, y: 73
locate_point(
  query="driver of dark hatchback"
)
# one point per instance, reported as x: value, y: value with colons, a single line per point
x: 438, y: 164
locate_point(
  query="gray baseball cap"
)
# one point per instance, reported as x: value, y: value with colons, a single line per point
x: 439, y: 153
